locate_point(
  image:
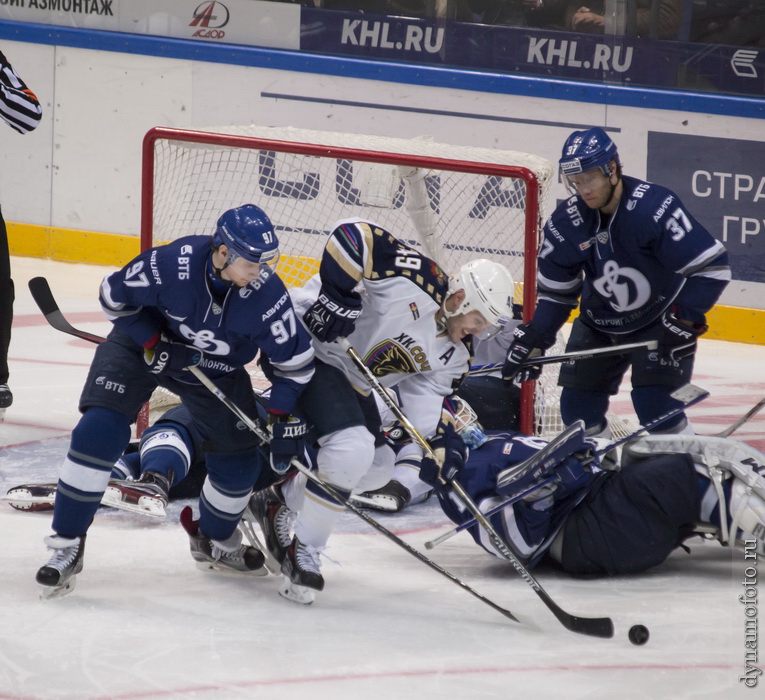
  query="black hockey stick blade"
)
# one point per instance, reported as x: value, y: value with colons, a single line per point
x: 41, y: 293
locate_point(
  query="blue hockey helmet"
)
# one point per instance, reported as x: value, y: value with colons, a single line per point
x: 587, y: 150
x: 248, y: 233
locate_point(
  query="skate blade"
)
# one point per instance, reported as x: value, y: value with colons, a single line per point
x: 23, y: 500
x: 297, y: 594
x: 271, y: 563
x: 151, y: 507
x: 212, y: 567
x: 52, y: 592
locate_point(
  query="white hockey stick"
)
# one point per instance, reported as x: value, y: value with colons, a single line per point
x: 569, y: 356
x: 595, y: 627
x: 263, y: 435
x: 753, y: 411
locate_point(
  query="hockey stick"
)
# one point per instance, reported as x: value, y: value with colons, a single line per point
x: 689, y: 394
x: 595, y: 627
x: 753, y: 411
x: 570, y: 356
x: 40, y: 290
x: 547, y: 457
x: 255, y: 428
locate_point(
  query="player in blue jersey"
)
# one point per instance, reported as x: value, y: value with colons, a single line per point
x: 640, y: 267
x: 214, y: 302
x: 594, y: 521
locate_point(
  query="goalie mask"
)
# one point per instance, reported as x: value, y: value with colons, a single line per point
x: 584, y: 151
x: 489, y: 289
x: 466, y: 423
x: 248, y: 233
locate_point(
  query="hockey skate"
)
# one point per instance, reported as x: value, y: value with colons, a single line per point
x: 391, y: 498
x: 268, y: 510
x: 6, y: 400
x: 147, y: 496
x: 302, y: 573
x: 59, y: 576
x: 32, y: 498
x: 230, y: 556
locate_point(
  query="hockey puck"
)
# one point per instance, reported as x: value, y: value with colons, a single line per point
x: 638, y: 634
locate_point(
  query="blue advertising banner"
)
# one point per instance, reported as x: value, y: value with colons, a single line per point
x: 522, y: 50
x: 722, y: 182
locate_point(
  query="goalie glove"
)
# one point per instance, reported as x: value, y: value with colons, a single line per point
x: 677, y: 338
x: 330, y: 318
x: 527, y: 344
x: 449, y: 455
x: 167, y: 356
x: 287, y: 440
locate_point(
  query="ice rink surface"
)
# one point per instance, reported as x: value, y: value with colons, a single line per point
x: 144, y: 623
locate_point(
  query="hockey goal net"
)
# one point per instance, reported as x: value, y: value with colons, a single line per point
x: 457, y: 203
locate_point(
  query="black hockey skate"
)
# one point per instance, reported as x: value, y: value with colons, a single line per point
x: 59, y: 576
x: 147, y: 496
x: 391, y: 498
x: 32, y: 498
x: 6, y: 400
x: 268, y: 510
x: 230, y: 556
x: 302, y: 573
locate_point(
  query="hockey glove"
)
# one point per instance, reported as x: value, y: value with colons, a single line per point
x: 287, y: 440
x: 168, y: 356
x: 450, y: 454
x: 330, y: 318
x: 677, y: 338
x: 527, y: 344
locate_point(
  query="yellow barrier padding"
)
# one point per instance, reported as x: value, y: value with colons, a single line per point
x: 731, y: 323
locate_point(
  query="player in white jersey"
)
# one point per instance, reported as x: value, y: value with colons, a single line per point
x: 496, y: 402
x: 413, y: 328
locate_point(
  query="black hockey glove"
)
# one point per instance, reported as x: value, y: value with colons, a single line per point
x: 527, y: 344
x: 169, y: 356
x: 677, y: 338
x: 287, y: 440
x: 330, y: 318
x: 450, y: 455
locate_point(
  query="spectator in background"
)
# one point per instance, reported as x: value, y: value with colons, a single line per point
x: 20, y: 109
x: 546, y: 14
x: 658, y: 22
x: 734, y: 24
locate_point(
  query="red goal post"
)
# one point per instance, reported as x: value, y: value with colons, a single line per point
x: 457, y: 203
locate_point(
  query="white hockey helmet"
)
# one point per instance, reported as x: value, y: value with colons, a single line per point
x: 488, y: 288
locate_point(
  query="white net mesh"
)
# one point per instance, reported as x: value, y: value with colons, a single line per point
x: 459, y: 203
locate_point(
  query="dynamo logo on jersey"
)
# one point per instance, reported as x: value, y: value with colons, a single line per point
x: 625, y: 287
x: 205, y: 340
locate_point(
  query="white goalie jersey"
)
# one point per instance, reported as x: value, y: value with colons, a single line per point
x: 397, y: 334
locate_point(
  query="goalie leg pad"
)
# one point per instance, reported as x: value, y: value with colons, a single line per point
x: 735, y: 497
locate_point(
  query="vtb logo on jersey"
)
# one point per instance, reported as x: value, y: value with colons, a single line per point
x: 625, y: 287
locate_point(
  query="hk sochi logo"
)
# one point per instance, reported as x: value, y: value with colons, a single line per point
x: 210, y: 18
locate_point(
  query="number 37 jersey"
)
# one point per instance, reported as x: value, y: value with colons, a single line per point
x: 651, y: 254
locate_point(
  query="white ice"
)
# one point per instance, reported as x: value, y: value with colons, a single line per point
x: 144, y: 623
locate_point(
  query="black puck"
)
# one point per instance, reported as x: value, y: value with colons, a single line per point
x: 638, y: 634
